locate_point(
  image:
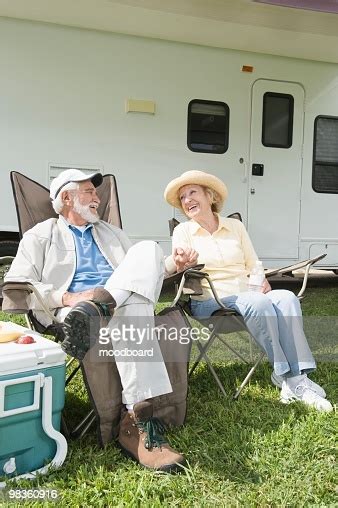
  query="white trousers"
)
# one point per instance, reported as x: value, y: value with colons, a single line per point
x: 141, y: 272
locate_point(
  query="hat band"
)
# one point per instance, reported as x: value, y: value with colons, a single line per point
x: 59, y: 189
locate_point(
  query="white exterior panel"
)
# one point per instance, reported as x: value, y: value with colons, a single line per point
x: 63, y: 95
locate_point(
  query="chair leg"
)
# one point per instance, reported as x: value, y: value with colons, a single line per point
x: 217, y: 379
x: 233, y: 350
x: 251, y: 349
x: 203, y: 351
x: 28, y: 322
x: 73, y: 373
x: 203, y: 354
x: 64, y: 427
x: 248, y: 376
x: 210, y: 367
x: 82, y: 428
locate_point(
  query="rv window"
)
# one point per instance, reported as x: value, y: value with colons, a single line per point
x: 208, y: 126
x: 325, y: 155
x: 277, y: 122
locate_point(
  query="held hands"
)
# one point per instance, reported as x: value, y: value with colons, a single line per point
x: 71, y: 299
x: 184, y: 258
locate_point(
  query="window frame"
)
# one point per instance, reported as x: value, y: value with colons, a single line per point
x: 227, y: 124
x: 316, y: 162
x: 290, y: 123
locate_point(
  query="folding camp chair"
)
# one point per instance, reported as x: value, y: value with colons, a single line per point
x: 226, y: 321
x: 104, y: 387
x: 33, y: 205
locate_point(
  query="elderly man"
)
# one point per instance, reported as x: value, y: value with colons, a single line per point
x: 85, y: 268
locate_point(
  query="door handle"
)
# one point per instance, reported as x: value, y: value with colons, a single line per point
x: 257, y: 169
x: 245, y: 172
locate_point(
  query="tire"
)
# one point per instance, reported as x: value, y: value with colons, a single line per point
x: 8, y: 249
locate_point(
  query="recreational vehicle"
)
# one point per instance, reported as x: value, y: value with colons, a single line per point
x: 146, y: 109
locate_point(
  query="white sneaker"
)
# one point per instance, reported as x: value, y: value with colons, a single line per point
x: 304, y: 394
x: 278, y: 381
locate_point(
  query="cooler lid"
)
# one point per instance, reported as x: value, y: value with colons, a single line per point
x: 21, y: 357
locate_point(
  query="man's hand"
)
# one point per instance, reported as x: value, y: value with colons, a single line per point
x: 71, y: 299
x: 266, y: 287
x: 184, y: 258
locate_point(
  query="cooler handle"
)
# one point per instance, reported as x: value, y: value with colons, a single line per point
x: 47, y: 424
x: 37, y: 379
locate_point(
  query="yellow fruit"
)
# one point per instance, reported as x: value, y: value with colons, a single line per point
x: 9, y: 336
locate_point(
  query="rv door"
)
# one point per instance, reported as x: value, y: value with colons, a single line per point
x: 275, y: 168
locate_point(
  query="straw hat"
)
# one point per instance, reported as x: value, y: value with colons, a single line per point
x: 194, y: 177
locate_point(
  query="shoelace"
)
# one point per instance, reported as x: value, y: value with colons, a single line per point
x: 311, y: 394
x: 104, y: 308
x: 154, y: 429
x: 310, y: 385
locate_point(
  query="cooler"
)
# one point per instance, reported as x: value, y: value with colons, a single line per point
x: 32, y: 392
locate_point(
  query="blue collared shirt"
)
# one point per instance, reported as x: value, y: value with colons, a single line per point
x: 92, y: 268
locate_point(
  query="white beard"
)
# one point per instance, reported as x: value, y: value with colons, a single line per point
x: 85, y: 212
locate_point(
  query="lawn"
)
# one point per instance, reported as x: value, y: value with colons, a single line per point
x: 253, y: 452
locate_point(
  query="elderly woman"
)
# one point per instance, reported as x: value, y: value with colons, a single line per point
x: 273, y: 318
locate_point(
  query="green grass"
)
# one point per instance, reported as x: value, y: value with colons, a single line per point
x: 254, y: 452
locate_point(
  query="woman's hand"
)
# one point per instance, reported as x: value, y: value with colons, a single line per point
x: 266, y: 286
x: 184, y: 258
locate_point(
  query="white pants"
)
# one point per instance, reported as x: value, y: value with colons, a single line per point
x: 141, y: 272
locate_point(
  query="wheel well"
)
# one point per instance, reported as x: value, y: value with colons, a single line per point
x: 9, y: 236
x: 9, y: 242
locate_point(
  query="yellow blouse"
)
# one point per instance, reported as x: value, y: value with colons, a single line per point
x: 228, y: 254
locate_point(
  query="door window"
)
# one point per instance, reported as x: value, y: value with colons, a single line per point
x: 277, y: 123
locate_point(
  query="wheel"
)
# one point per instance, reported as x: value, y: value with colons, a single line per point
x: 8, y: 249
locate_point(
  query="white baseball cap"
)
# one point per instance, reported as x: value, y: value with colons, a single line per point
x: 73, y: 175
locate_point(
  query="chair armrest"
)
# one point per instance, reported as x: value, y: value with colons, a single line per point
x: 297, y: 266
x: 307, y: 264
x: 190, y: 274
x: 177, y: 276
x: 195, y: 272
x: 20, y: 286
x: 15, y: 298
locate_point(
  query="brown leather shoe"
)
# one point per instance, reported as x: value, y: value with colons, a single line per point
x: 141, y: 439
